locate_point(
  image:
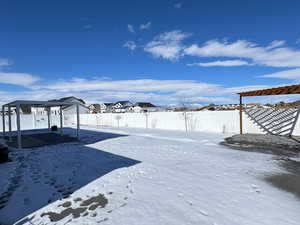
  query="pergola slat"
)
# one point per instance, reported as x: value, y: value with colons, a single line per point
x: 292, y: 89
x: 285, y: 90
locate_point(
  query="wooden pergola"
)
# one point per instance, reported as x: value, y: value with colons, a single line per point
x: 284, y: 90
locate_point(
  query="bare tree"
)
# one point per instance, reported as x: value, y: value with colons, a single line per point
x: 184, y: 106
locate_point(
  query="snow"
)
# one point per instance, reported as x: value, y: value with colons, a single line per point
x: 148, y: 176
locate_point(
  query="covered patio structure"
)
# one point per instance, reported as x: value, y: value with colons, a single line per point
x: 276, y: 121
x: 43, y: 104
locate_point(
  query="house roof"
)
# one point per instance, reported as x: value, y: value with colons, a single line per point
x: 122, y: 102
x: 66, y: 99
x: 144, y: 104
x: 108, y: 103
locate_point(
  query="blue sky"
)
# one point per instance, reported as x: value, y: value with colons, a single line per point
x: 165, y: 52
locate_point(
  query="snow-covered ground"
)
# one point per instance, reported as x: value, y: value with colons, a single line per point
x: 132, y: 176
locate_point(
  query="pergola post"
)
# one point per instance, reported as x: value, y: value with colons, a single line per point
x: 19, y: 127
x: 9, y: 123
x: 3, y: 121
x: 78, y: 121
x: 61, y: 120
x: 48, y: 116
x: 241, y: 114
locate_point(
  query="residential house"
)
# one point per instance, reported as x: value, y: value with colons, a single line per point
x: 72, y: 109
x: 122, y: 106
x: 106, y: 107
x: 94, y: 108
x: 66, y: 109
x: 143, y: 107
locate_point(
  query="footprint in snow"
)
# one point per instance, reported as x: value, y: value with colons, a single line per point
x: 203, y: 213
x: 255, y: 188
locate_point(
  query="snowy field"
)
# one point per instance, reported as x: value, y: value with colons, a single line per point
x: 130, y: 176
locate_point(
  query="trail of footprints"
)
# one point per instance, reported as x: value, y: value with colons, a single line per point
x: 28, y: 166
x: 15, y: 181
x: 65, y: 188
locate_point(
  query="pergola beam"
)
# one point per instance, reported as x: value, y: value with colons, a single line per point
x: 78, y: 121
x: 285, y: 90
x: 61, y: 120
x: 48, y: 117
x: 3, y: 121
x: 19, y: 127
x: 9, y: 123
x: 241, y: 115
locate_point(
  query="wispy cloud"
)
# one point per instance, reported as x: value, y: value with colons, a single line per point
x: 20, y: 79
x: 293, y: 74
x: 88, y: 26
x: 167, y: 45
x: 4, y: 62
x: 130, y: 45
x: 145, y: 26
x: 141, y: 85
x: 275, y: 44
x: 273, y: 55
x: 221, y: 63
x: 130, y: 28
x: 161, y: 92
x: 178, y: 5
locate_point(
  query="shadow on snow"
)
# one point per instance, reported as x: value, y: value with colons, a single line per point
x: 40, y: 176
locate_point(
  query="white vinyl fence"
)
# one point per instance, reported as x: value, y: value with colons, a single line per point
x: 33, y: 121
x: 207, y: 121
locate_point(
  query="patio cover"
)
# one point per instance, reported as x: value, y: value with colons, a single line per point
x: 44, y: 104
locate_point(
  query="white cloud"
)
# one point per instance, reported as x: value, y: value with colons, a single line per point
x: 159, y: 92
x: 88, y: 26
x: 245, y: 88
x: 167, y: 45
x: 130, y: 28
x: 21, y: 79
x: 221, y: 63
x: 272, y: 55
x: 141, y: 85
x: 178, y: 5
x: 5, y: 62
x: 110, y: 96
x: 130, y: 45
x: 275, y: 44
x: 145, y: 26
x: 293, y: 74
